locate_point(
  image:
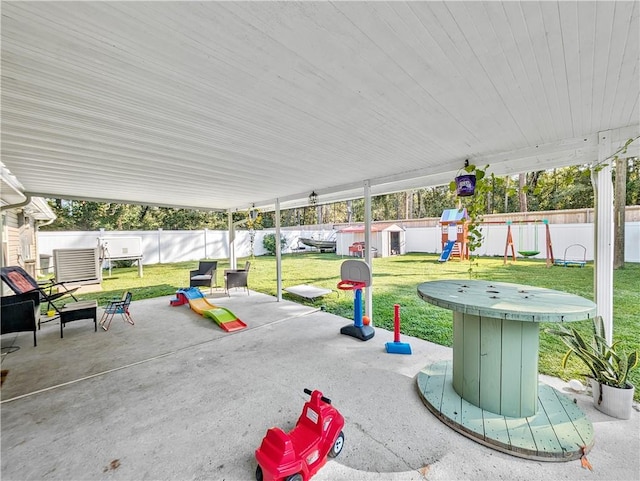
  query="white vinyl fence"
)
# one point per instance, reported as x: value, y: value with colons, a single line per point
x: 429, y: 239
x: 167, y: 246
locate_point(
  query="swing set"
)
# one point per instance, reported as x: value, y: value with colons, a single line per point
x: 528, y: 247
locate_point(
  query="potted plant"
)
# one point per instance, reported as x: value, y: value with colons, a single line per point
x: 608, y: 366
x: 464, y: 184
x: 472, y: 187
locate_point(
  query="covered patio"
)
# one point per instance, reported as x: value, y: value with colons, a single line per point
x: 236, y: 106
x: 175, y: 397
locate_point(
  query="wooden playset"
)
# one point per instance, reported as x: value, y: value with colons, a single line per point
x: 454, y: 245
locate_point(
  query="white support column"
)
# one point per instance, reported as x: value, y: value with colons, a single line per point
x: 159, y: 249
x: 603, y: 228
x: 367, y: 247
x: 232, y: 238
x: 278, y: 255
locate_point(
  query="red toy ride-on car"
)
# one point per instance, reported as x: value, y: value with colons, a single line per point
x: 299, y: 454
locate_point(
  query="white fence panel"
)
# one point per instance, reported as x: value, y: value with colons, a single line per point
x: 166, y: 246
x: 423, y: 239
x: 428, y: 239
x: 175, y: 246
x: 495, y: 239
x: 632, y: 242
x: 568, y: 234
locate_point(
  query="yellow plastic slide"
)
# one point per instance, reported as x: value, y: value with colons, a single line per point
x: 226, y: 319
x: 200, y: 305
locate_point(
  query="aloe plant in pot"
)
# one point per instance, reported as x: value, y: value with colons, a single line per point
x: 608, y: 366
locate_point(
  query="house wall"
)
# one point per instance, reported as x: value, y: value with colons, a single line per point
x: 19, y: 240
x: 9, y: 237
x: 19, y: 243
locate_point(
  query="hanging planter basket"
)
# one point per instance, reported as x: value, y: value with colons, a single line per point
x: 465, y: 185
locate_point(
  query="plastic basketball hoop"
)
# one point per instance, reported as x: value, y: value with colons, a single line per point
x: 347, y: 285
x: 356, y: 275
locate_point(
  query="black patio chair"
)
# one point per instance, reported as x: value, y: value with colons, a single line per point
x: 205, y: 275
x: 237, y: 278
x: 21, y: 282
x: 19, y: 313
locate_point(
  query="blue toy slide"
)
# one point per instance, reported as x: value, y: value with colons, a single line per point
x: 446, y: 252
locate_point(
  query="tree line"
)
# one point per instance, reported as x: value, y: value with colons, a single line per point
x: 562, y: 188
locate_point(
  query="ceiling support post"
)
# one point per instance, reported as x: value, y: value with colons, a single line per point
x: 232, y: 238
x: 603, y: 233
x: 278, y: 254
x: 367, y: 248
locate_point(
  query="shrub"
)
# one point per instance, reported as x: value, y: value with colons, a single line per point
x: 123, y: 263
x: 269, y: 243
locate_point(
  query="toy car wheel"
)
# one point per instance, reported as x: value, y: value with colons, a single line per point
x: 295, y: 477
x: 337, y: 446
x: 259, y: 475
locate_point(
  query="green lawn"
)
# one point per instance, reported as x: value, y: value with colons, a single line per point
x: 395, y: 282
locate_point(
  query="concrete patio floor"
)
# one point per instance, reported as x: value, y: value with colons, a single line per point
x: 175, y: 398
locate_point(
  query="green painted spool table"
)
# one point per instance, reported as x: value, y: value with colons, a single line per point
x: 495, y: 355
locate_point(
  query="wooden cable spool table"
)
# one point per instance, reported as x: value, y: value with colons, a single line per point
x: 494, y: 371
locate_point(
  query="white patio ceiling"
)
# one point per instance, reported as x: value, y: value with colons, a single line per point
x: 223, y: 105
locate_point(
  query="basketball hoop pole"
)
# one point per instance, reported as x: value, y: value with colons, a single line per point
x: 357, y: 329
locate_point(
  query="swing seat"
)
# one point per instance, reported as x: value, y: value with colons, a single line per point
x: 574, y: 255
x: 530, y: 248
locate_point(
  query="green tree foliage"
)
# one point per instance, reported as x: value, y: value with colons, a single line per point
x: 567, y: 188
x: 633, y: 181
x: 433, y: 201
x: 563, y: 188
x: 74, y: 215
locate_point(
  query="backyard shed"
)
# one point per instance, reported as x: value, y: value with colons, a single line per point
x: 387, y: 239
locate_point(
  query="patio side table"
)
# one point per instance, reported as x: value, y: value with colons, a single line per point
x: 75, y: 311
x: 496, y: 338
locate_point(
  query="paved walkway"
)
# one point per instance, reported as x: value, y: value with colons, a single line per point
x: 175, y: 397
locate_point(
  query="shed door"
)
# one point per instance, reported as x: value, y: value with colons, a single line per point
x: 394, y: 243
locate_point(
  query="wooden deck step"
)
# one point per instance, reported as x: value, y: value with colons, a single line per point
x: 557, y: 432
